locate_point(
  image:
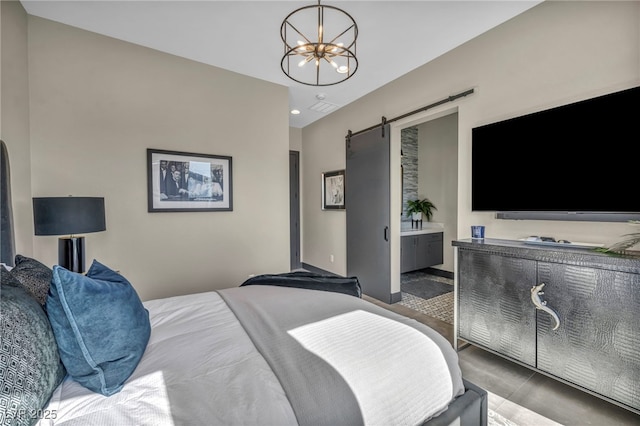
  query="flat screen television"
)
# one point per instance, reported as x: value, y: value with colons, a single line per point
x: 574, y: 162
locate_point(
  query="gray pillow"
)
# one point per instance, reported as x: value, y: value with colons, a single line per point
x: 7, y: 278
x: 30, y: 367
x: 34, y: 276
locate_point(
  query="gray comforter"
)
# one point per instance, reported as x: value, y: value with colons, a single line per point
x: 299, y: 332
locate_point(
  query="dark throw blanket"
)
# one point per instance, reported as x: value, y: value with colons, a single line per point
x: 311, y: 281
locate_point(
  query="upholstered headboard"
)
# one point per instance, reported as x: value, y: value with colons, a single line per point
x: 7, y: 252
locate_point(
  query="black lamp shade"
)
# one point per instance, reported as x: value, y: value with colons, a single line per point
x: 68, y: 215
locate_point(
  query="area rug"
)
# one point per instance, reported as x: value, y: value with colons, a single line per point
x: 429, y: 294
x: 426, y: 288
x: 440, y: 307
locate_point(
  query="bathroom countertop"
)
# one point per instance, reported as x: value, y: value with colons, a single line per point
x: 427, y: 228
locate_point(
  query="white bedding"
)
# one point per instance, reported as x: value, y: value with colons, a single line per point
x: 202, y: 368
x: 198, y: 360
x: 353, y: 344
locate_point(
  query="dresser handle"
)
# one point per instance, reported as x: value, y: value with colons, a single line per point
x: 536, y: 292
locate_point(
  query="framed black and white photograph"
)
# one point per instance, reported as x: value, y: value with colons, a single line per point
x: 333, y: 190
x: 187, y: 182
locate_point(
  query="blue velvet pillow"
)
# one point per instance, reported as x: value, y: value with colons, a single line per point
x: 101, y: 327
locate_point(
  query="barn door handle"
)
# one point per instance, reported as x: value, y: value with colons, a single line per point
x: 536, y: 292
x: 386, y: 233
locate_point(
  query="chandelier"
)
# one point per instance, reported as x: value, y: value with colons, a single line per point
x: 319, y: 45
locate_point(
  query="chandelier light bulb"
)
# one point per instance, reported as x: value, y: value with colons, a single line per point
x: 305, y: 48
x: 343, y: 69
x: 304, y: 61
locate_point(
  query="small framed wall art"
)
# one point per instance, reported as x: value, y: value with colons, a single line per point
x: 187, y: 182
x: 333, y: 190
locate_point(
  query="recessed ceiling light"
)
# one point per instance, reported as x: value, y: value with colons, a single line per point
x: 295, y: 111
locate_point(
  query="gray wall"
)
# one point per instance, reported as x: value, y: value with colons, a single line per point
x: 96, y: 104
x: 14, y: 115
x: 553, y: 54
x: 438, y: 176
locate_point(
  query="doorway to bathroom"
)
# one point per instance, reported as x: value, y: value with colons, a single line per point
x: 429, y: 169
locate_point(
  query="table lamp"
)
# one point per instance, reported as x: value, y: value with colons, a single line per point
x: 69, y: 216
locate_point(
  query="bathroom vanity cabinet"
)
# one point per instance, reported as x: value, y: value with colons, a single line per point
x: 420, y: 250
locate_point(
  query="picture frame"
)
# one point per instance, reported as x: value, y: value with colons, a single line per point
x: 333, y: 196
x: 188, y: 182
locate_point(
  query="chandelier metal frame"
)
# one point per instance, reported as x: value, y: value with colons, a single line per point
x: 324, y: 53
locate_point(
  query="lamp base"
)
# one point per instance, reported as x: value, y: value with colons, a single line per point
x: 71, y: 253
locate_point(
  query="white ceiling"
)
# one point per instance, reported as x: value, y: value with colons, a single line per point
x: 395, y: 37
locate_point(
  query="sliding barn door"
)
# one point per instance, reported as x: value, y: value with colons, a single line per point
x: 367, y: 202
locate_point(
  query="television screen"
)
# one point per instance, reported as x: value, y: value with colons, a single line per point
x: 580, y: 157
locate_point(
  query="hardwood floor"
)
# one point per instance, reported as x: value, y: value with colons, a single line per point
x: 519, y: 396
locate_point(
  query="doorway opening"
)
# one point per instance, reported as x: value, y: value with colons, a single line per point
x: 428, y: 168
x: 294, y: 210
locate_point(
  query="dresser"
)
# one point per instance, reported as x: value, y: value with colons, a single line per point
x: 570, y: 313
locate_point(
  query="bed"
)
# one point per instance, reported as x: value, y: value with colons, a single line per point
x: 270, y: 353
